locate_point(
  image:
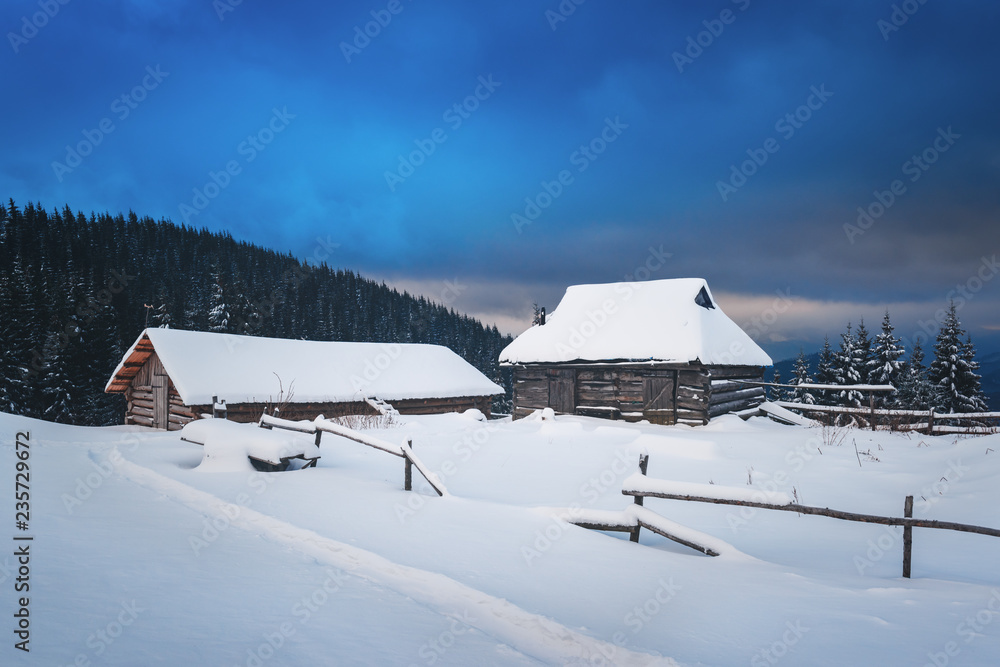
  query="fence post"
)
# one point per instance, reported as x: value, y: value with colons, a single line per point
x: 643, y: 464
x: 930, y: 422
x: 408, y: 469
x: 907, y: 537
x: 871, y: 407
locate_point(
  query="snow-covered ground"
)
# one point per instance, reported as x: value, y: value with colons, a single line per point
x: 139, y: 557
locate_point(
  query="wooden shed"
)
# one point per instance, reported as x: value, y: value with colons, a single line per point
x: 660, y: 350
x: 169, y: 378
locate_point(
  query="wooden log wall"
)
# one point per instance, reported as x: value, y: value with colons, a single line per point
x: 683, y: 394
x: 727, y: 396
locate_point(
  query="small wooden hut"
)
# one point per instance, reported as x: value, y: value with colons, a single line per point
x: 660, y: 350
x: 171, y: 377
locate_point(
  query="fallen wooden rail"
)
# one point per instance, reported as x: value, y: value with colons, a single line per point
x: 637, y: 486
x: 404, y: 451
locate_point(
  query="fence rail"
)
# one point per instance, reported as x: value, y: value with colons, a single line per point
x: 639, y: 488
x: 319, y: 426
x: 983, y: 422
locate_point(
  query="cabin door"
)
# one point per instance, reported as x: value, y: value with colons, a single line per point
x: 658, y: 399
x: 562, y: 391
x: 161, y: 400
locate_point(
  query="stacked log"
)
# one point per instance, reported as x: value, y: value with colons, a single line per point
x: 733, y: 397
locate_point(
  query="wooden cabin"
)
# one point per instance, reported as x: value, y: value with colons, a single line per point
x: 659, y: 350
x: 170, y: 377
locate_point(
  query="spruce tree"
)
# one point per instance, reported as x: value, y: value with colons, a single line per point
x: 886, y: 365
x: 218, y: 311
x: 862, y: 352
x: 775, y: 393
x: 826, y: 373
x: 847, y: 372
x: 915, y: 391
x: 801, y: 370
x: 953, y: 371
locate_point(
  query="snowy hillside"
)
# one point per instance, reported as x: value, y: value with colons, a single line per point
x: 141, y: 558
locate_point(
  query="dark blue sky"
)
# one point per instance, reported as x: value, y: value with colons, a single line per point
x: 309, y: 138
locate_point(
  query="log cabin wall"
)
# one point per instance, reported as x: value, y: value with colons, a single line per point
x: 662, y: 394
x: 728, y: 396
x: 251, y: 412
x: 152, y: 400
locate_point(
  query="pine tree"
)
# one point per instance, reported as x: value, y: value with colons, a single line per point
x: 953, y: 371
x: 886, y: 366
x: 775, y: 393
x: 847, y: 372
x: 862, y: 352
x: 915, y: 391
x: 826, y: 373
x: 970, y: 385
x: 801, y: 370
x: 218, y: 312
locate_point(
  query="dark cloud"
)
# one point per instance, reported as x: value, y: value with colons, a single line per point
x: 324, y: 176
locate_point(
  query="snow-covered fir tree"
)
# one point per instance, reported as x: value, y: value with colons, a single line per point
x: 846, y: 368
x: 800, y: 377
x: 218, y: 311
x: 775, y: 393
x: 862, y: 352
x: 886, y: 364
x: 826, y: 373
x: 915, y: 391
x: 953, y: 371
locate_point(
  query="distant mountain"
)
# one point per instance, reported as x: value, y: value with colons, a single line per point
x: 989, y: 368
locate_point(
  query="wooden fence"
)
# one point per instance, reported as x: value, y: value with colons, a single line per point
x: 405, y: 450
x: 639, y: 491
x: 925, y: 421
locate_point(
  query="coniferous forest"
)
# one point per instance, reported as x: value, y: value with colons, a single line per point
x: 77, y: 290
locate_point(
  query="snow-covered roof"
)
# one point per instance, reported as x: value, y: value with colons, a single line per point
x: 667, y: 321
x: 242, y: 369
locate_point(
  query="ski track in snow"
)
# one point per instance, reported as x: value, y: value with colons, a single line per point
x: 531, y: 634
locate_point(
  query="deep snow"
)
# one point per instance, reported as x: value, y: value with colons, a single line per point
x: 140, y: 557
